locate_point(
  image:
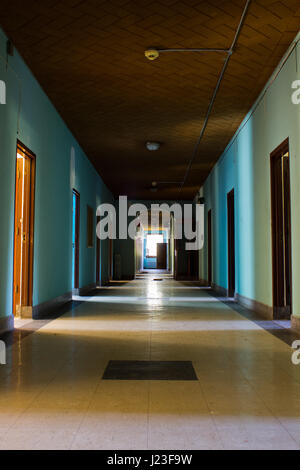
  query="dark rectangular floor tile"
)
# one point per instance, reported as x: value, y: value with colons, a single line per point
x: 149, y: 370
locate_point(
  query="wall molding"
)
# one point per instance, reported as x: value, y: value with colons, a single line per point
x: 219, y: 289
x: 130, y: 277
x: 43, y: 309
x: 85, y: 289
x: 203, y: 282
x: 261, y: 309
x: 48, y: 307
x: 295, y: 324
x: 6, y: 324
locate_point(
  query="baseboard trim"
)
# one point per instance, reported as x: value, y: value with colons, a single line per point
x: 45, y: 308
x: 85, y: 290
x: 185, y: 277
x: 295, y: 324
x: 127, y: 278
x: 6, y: 324
x: 219, y: 289
x: 204, y: 282
x: 263, y: 310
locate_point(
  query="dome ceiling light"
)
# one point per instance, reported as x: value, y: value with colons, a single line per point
x: 153, y: 53
x: 153, y: 146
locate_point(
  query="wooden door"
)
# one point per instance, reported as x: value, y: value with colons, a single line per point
x: 176, y: 258
x: 75, y: 238
x: 281, y: 231
x: 231, y: 243
x: 110, y: 259
x: 193, y: 264
x: 161, y: 256
x: 23, y: 232
x: 98, y: 255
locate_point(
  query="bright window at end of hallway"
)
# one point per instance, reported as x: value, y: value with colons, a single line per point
x: 152, y: 241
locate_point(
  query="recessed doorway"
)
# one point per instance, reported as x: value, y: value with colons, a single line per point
x: 75, y: 238
x: 281, y: 231
x: 231, y: 243
x: 155, y: 250
x: 23, y: 232
x: 98, y: 255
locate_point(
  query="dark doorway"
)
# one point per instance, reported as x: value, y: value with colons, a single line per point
x: 98, y: 255
x: 23, y: 233
x: 193, y: 264
x: 110, y: 259
x: 161, y: 256
x: 75, y: 239
x: 231, y: 243
x: 209, y: 249
x: 176, y: 245
x: 281, y: 231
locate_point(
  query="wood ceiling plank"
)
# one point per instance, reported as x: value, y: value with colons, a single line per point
x: 89, y: 58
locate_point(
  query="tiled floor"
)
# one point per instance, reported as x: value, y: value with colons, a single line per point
x: 247, y: 395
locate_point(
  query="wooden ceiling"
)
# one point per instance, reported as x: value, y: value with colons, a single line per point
x: 88, y: 55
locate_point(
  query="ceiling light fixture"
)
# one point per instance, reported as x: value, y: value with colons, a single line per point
x: 153, y: 54
x: 152, y: 146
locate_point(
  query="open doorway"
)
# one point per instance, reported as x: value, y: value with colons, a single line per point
x: 155, y: 252
x: 154, y: 245
x: 231, y: 243
x: 281, y: 232
x: 75, y: 238
x: 98, y: 257
x: 23, y: 231
x: 151, y: 243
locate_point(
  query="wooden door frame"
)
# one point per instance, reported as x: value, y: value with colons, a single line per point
x: 277, y: 275
x: 98, y: 255
x: 231, y: 243
x: 209, y: 247
x: 22, y: 149
x: 165, y: 244
x: 110, y: 259
x: 176, y: 258
x: 75, y: 274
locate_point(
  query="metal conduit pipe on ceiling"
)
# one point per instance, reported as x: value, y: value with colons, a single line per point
x: 229, y: 53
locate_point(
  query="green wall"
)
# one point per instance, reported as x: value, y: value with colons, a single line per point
x: 245, y: 166
x: 29, y: 116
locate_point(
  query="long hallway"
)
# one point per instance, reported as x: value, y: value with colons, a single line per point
x: 245, y: 395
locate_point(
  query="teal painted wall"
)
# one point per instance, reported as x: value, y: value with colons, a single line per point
x: 36, y: 123
x: 245, y: 166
